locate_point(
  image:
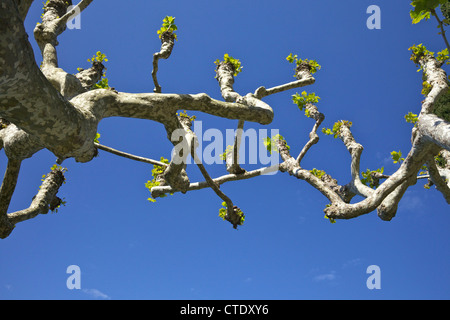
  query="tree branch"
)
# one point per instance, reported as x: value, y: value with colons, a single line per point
x: 6, y: 192
x: 441, y: 26
x: 129, y: 155
x: 262, y: 92
x: 313, y: 137
x: 442, y: 185
x: 41, y: 203
x: 168, y: 42
x: 161, y: 190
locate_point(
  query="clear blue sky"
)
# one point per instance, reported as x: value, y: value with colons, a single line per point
x: 178, y: 247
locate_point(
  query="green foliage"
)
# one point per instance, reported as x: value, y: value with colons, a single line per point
x: 443, y: 56
x: 271, y: 143
x: 419, y: 51
x: 168, y: 26
x: 102, y: 84
x: 331, y: 219
x: 328, y: 218
x: 440, y: 161
x: 426, y: 88
x: 313, y: 65
x: 367, y: 178
x: 183, y: 114
x: 411, y: 117
x: 336, y: 128
x: 318, y: 173
x: 422, y: 9
x: 156, y: 172
x: 445, y: 9
x: 442, y: 106
x: 237, y: 67
x: 98, y: 57
x: 229, y: 149
x: 58, y: 167
x: 97, y: 136
x: 223, y: 213
x: 54, y: 168
x: 60, y: 202
x: 302, y: 99
x: 397, y: 156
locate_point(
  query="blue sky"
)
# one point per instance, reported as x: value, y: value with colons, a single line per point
x: 178, y: 247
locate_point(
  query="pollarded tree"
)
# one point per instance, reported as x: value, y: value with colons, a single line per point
x: 46, y: 107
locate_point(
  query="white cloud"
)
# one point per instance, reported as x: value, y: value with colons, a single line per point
x: 326, y: 276
x: 352, y: 263
x: 97, y: 294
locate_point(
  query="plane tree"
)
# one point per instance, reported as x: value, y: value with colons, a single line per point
x: 45, y: 107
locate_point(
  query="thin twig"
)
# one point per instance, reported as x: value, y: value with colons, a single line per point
x: 441, y: 25
x: 129, y: 156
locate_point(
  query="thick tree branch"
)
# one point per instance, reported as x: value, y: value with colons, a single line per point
x: 43, y: 200
x: 435, y: 129
x: 439, y: 181
x: 6, y: 192
x: 412, y: 164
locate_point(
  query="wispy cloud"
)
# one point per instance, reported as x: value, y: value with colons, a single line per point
x: 352, y: 263
x: 326, y: 276
x: 96, y: 294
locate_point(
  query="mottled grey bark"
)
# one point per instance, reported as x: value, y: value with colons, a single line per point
x: 167, y: 43
x: 50, y: 108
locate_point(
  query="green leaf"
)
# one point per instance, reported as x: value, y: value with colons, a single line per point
x: 411, y: 117
x: 237, y: 66
x: 397, y: 156
x: 318, y: 173
x: 97, y: 136
x: 304, y: 98
x: 419, y: 16
x: 156, y: 172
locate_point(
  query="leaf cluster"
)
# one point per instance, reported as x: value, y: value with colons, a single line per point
x: 318, y: 173
x: 168, y: 26
x: 411, y: 117
x: 183, y: 114
x: 443, y: 56
x: 229, y: 149
x: 367, y: 177
x: 313, y: 65
x: 418, y: 52
x: 157, y: 171
x: 397, y: 156
x: 98, y: 57
x: 97, y: 136
x: 235, y: 63
x: 223, y: 213
x: 424, y: 8
x: 336, y: 128
x: 302, y: 99
x: 271, y: 143
x: 101, y: 84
